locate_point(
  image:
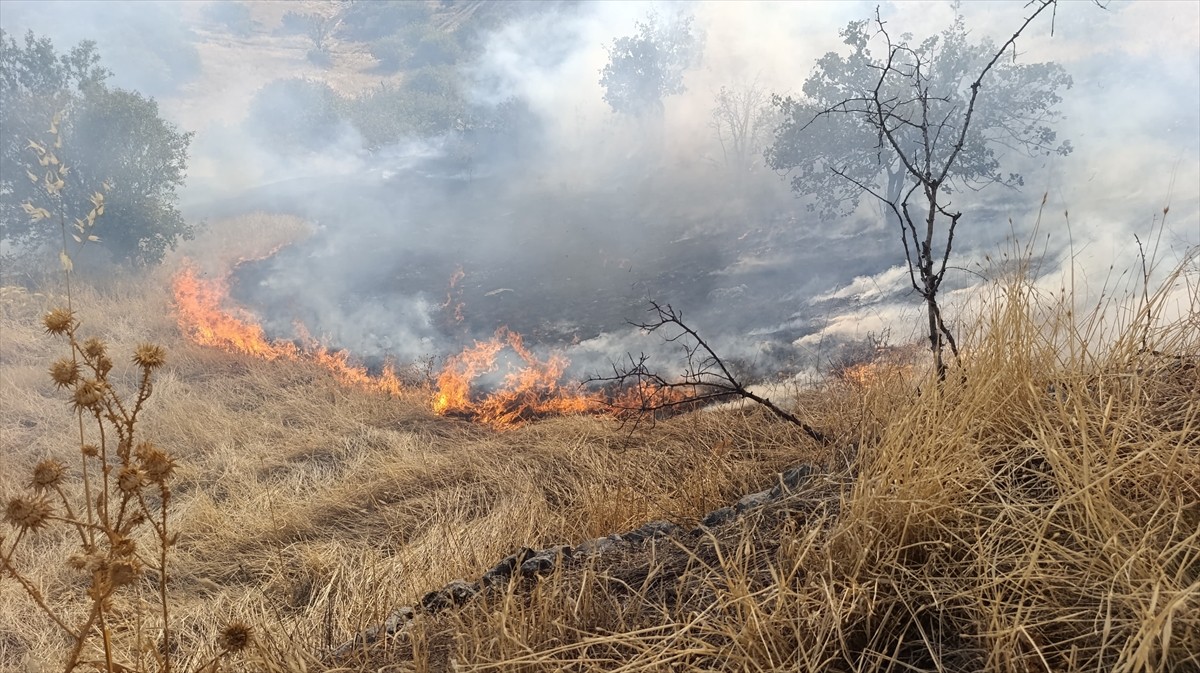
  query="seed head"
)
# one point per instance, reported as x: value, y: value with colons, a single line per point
x: 156, y: 463
x: 150, y: 356
x: 104, y: 365
x: 28, y: 513
x: 46, y: 475
x: 94, y: 348
x: 59, y: 321
x: 123, y: 572
x: 90, y: 450
x: 130, y: 479
x: 64, y: 372
x: 235, y: 637
x: 123, y: 546
x: 88, y: 395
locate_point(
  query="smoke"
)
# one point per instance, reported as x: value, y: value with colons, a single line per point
x: 566, y: 217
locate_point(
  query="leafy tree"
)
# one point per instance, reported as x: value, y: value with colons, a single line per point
x: 107, y: 135
x: 369, y: 20
x: 646, y: 67
x: 294, y: 115
x: 921, y: 120
x: 832, y: 157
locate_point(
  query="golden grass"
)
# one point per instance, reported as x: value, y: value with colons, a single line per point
x: 1040, y: 514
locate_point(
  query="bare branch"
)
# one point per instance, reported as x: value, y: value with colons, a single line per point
x: 705, y: 379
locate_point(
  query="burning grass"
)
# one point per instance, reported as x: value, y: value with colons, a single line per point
x: 1039, y: 514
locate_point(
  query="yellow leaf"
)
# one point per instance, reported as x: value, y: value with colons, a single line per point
x: 66, y: 261
x: 79, y: 225
x: 99, y: 211
x: 77, y: 239
x: 94, y: 239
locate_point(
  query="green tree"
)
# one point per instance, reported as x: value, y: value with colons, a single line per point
x: 107, y: 135
x: 830, y: 142
x: 917, y: 121
x: 645, y: 68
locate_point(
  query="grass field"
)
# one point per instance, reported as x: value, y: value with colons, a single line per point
x: 1038, y: 512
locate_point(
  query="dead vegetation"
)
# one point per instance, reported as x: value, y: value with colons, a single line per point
x: 1037, y: 514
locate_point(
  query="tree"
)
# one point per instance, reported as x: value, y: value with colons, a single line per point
x: 106, y: 135
x: 924, y: 120
x: 742, y: 121
x: 645, y: 68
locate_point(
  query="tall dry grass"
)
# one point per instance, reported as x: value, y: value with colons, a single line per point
x: 1037, y: 514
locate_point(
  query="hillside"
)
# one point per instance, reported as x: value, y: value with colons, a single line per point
x: 1038, y: 512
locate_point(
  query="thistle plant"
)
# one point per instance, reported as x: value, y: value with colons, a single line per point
x: 121, y: 516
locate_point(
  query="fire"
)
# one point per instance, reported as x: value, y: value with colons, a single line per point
x: 530, y: 389
x: 202, y: 317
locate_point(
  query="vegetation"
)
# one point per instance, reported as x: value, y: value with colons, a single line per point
x: 646, y: 67
x: 984, y: 525
x: 113, y: 136
x: 920, y: 121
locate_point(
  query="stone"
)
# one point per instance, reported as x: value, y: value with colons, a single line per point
x: 751, y: 501
x: 505, y: 568
x: 717, y: 517
x: 791, y: 480
x: 544, y: 561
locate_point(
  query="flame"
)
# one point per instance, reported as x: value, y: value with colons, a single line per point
x: 454, y: 295
x: 529, y: 390
x: 202, y: 317
x: 531, y: 387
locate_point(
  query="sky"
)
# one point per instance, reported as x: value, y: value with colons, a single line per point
x: 1133, y: 117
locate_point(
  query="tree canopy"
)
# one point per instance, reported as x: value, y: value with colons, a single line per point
x: 646, y: 67
x: 109, y: 136
x: 833, y: 147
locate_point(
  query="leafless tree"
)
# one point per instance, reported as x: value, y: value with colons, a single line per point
x: 927, y: 130
x: 743, y: 120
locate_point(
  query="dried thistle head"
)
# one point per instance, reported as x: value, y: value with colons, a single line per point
x: 104, y: 365
x: 59, y: 321
x: 157, y: 464
x: 46, y: 475
x: 28, y: 513
x: 235, y: 637
x: 130, y: 479
x: 94, y: 347
x: 88, y: 395
x: 150, y: 356
x: 64, y: 372
x: 123, y: 546
x: 124, y: 572
x: 90, y: 450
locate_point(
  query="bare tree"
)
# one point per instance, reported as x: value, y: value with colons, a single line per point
x: 706, y: 378
x: 925, y: 122
x: 742, y: 121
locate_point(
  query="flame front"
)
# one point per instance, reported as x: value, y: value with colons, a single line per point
x: 202, y: 317
x: 529, y: 390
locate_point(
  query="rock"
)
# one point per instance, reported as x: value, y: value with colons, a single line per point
x: 654, y: 529
x: 717, y: 517
x: 597, y: 546
x: 544, y: 561
x: 751, y: 501
x: 452, y: 595
x: 398, y: 620
x: 791, y: 480
x: 504, y: 569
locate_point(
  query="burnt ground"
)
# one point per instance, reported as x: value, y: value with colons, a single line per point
x: 558, y: 267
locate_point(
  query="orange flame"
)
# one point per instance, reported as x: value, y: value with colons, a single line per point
x: 202, y: 317
x: 530, y: 390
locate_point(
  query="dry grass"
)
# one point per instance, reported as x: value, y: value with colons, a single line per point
x: 1038, y: 515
